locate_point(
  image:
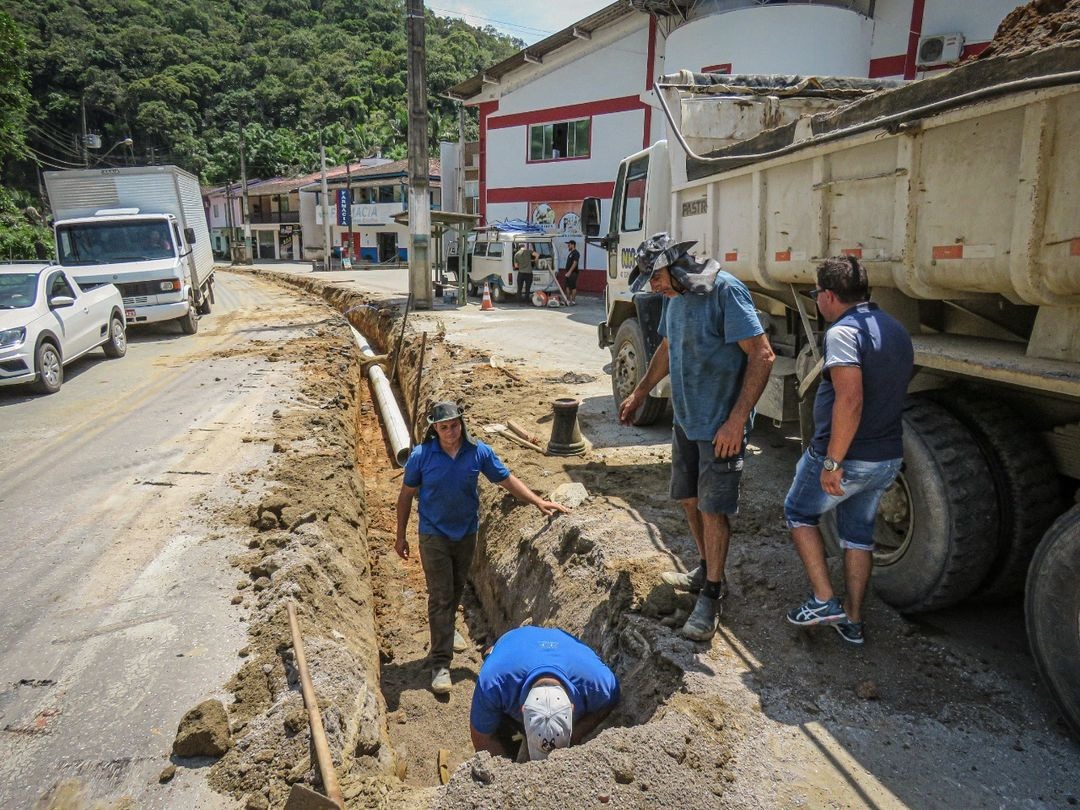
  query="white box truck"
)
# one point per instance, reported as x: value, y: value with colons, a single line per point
x: 142, y: 229
x: 959, y: 195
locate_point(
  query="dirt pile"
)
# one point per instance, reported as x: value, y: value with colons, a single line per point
x: 1039, y: 24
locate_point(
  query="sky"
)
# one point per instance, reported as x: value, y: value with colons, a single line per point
x: 528, y: 21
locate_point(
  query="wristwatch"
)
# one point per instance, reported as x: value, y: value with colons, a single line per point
x: 830, y: 464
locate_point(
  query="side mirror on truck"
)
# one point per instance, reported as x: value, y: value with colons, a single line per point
x: 189, y: 235
x: 590, y: 216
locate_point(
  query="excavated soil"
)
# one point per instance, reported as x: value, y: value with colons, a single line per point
x: 939, y: 712
x: 1039, y: 24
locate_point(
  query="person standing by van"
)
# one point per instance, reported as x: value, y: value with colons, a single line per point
x: 524, y: 262
x: 572, y: 270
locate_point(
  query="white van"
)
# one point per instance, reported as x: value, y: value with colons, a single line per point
x: 491, y: 257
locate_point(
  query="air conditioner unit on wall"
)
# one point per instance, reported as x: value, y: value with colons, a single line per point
x: 940, y: 49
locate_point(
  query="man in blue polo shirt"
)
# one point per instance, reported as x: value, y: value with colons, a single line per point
x: 545, y: 683
x: 857, y: 447
x: 445, y: 469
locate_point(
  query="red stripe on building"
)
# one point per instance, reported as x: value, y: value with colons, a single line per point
x: 896, y: 65
x: 567, y: 113
x: 485, y: 108
x: 917, y: 9
x: 650, y: 61
x: 560, y: 193
x: 887, y: 66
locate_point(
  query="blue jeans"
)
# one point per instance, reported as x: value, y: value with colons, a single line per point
x: 863, y: 482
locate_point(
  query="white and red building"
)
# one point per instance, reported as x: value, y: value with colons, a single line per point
x: 557, y: 117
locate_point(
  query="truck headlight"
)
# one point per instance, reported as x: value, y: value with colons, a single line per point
x: 12, y: 337
x: 170, y: 286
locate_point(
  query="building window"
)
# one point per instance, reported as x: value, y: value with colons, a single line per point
x: 569, y: 139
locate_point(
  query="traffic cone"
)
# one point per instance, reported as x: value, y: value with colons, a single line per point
x: 486, y: 305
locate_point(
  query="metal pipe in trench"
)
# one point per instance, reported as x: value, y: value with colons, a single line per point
x: 396, y: 430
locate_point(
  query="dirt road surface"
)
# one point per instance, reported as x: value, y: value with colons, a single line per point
x: 115, y: 614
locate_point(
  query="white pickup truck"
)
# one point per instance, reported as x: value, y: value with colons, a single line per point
x: 46, y: 321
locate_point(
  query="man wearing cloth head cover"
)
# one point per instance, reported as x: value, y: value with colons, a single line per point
x: 719, y: 360
x: 545, y: 683
x: 445, y: 470
x: 857, y: 447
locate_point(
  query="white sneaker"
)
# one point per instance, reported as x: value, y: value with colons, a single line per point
x: 459, y: 642
x: 440, y: 681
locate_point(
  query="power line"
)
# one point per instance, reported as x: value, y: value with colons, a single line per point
x: 490, y: 20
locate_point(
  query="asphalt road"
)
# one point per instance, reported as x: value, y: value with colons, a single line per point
x: 114, y: 611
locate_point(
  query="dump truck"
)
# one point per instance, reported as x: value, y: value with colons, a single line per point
x: 958, y: 193
x: 141, y: 228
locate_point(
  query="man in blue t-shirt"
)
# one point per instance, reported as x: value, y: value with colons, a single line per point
x: 857, y: 447
x: 719, y: 359
x: 545, y: 683
x: 445, y: 470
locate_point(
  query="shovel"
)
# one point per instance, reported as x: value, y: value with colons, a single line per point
x: 505, y: 432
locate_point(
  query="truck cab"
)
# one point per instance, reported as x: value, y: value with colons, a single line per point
x: 145, y: 256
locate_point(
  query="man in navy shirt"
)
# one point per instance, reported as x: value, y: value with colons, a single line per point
x: 857, y: 447
x: 445, y: 469
x: 545, y: 683
x: 719, y: 360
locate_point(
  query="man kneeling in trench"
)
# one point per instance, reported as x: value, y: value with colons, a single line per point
x: 544, y: 683
x: 445, y: 470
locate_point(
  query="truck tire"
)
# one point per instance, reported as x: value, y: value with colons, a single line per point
x: 628, y: 364
x: 116, y: 345
x: 1052, y: 613
x: 204, y: 307
x: 937, y: 525
x: 1027, y: 486
x: 189, y: 322
x: 50, y: 369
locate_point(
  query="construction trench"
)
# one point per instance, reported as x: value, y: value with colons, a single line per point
x: 321, y: 535
x: 747, y: 721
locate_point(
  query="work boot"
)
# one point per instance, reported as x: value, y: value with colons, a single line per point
x: 701, y: 626
x: 440, y: 681
x: 459, y: 642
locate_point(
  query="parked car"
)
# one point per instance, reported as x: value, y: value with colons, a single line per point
x: 47, y: 320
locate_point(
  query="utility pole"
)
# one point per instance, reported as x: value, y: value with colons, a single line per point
x: 82, y: 141
x: 249, y: 253
x: 229, y: 226
x: 325, y: 210
x: 419, y: 168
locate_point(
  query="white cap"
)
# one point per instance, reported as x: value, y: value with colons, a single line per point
x: 549, y: 720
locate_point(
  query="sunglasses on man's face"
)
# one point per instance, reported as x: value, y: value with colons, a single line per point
x: 814, y: 293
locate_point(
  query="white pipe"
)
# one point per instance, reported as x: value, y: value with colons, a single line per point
x: 396, y: 430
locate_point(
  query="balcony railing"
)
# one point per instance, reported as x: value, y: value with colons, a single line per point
x: 274, y: 217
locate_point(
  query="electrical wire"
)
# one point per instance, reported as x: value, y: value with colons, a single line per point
x: 52, y: 161
x: 504, y: 23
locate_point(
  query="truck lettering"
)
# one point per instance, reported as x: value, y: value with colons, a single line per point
x: 695, y: 207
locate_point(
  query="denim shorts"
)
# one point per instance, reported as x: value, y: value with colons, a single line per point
x: 863, y: 482
x: 696, y: 472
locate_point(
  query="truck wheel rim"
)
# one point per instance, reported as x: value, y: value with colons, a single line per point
x: 625, y: 370
x: 895, y: 523
x: 50, y: 367
x: 119, y: 339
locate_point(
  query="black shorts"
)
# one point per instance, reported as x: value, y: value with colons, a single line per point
x: 570, y: 282
x: 696, y: 472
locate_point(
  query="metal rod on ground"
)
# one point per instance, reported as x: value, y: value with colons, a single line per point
x: 401, y: 337
x: 419, y: 376
x: 318, y: 733
x: 396, y: 429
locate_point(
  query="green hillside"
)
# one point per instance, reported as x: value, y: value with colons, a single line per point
x: 183, y: 77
